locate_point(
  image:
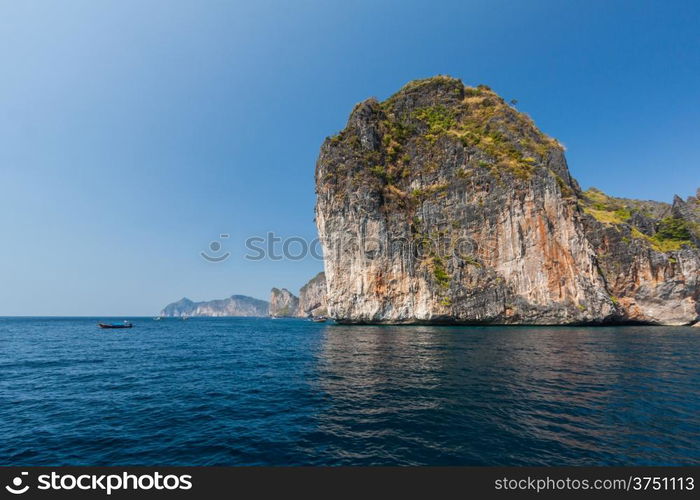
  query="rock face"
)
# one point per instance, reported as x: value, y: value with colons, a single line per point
x: 283, y: 303
x: 443, y: 204
x: 312, y: 298
x: 311, y: 302
x: 648, y: 254
x: 236, y: 305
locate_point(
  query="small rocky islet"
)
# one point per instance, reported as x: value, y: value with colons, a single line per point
x: 311, y: 302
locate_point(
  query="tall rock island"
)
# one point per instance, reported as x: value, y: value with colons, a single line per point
x: 444, y: 204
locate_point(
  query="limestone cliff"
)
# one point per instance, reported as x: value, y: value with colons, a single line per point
x: 283, y: 303
x: 648, y: 255
x: 444, y: 204
x: 312, y: 297
x: 310, y: 303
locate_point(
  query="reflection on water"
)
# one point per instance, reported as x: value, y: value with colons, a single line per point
x: 512, y: 396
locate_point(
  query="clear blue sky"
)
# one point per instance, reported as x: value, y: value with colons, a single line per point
x: 133, y: 133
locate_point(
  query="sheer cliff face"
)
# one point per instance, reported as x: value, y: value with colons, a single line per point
x: 283, y: 303
x: 444, y: 204
x: 312, y: 297
x: 648, y: 254
x: 310, y: 303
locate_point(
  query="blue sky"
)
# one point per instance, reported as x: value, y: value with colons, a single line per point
x: 133, y: 133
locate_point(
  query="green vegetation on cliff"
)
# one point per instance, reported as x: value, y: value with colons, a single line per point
x: 604, y: 208
x: 480, y: 119
x: 666, y: 234
x: 497, y: 136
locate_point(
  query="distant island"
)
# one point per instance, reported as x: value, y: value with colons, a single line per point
x: 236, y: 305
x: 311, y: 302
x: 446, y: 205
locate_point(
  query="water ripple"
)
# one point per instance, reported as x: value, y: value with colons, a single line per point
x: 290, y: 392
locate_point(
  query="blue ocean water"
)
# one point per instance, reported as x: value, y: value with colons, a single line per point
x: 241, y: 391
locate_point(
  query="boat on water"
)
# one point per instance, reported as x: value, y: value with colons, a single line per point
x: 319, y: 319
x: 126, y: 324
x: 157, y: 318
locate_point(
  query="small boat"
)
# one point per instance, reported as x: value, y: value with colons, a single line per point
x: 184, y: 318
x: 319, y: 319
x: 157, y: 318
x: 126, y: 324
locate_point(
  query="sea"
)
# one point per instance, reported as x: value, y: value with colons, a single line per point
x: 290, y: 392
